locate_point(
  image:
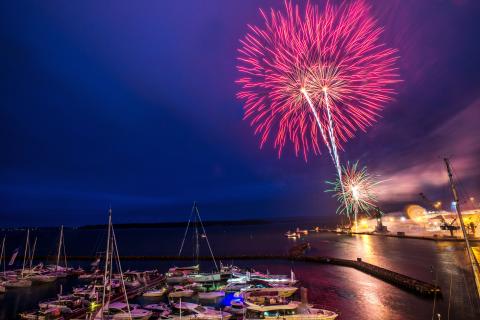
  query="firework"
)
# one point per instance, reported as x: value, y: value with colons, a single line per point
x: 315, y: 78
x: 358, y: 194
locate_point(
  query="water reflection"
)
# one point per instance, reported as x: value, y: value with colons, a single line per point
x: 353, y: 294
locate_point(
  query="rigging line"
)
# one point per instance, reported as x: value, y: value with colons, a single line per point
x: 64, y: 253
x: 462, y: 189
x: 206, y: 237
x: 114, y: 239
x: 106, y: 262
x: 186, y: 230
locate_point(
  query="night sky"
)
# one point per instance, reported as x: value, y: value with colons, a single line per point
x: 133, y: 104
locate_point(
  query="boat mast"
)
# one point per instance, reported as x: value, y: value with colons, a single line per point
x: 107, y: 257
x: 25, y: 252
x: 33, y: 253
x: 59, y: 247
x: 186, y: 231
x: 206, y: 237
x: 115, y: 247
x: 2, y: 256
x: 64, y: 253
x: 473, y: 261
x: 197, y: 243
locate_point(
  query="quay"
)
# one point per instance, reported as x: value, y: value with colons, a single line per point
x: 402, y: 236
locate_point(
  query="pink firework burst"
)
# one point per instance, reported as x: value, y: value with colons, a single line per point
x: 305, y: 72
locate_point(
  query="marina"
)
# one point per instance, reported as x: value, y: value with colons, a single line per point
x: 302, y: 255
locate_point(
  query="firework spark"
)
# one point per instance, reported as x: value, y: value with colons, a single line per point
x: 358, y: 195
x: 315, y: 77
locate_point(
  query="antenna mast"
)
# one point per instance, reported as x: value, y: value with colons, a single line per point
x: 473, y: 261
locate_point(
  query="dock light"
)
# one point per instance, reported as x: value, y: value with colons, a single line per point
x: 402, y: 219
x: 94, y: 305
x: 392, y: 219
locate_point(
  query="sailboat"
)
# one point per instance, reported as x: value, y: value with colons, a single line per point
x: 114, y: 309
x: 37, y: 273
x: 57, y: 270
x: 180, y: 274
x: 21, y: 281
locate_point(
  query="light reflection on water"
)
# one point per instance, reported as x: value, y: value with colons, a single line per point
x: 353, y: 294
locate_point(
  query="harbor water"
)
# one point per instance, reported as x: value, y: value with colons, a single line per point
x: 351, y: 293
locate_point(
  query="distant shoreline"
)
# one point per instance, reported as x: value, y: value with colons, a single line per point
x: 296, y: 221
x: 158, y: 225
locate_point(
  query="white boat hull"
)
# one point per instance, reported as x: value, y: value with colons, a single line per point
x: 22, y: 283
x: 211, y: 295
x: 154, y: 293
x: 43, y: 278
x: 181, y: 294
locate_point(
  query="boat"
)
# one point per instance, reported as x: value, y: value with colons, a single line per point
x: 116, y: 310
x: 181, y: 274
x: 200, y: 312
x: 267, y: 305
x: 77, y: 272
x: 132, y: 279
x: 234, y: 287
x: 245, y: 277
x: 299, y: 231
x: 205, y: 277
x: 293, y: 310
x: 291, y: 235
x: 176, y: 275
x: 187, y: 270
x: 236, y: 307
x: 158, y: 292
x: 88, y: 292
x: 47, y: 314
x: 69, y: 301
x: 123, y: 311
x: 196, y: 287
x: 161, y: 310
x: 260, y: 286
x: 180, y: 292
x: 96, y: 274
x: 212, y: 295
x: 58, y: 270
x: 20, y: 281
x: 43, y: 277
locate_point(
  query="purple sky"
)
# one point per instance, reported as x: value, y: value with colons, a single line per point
x: 134, y: 104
